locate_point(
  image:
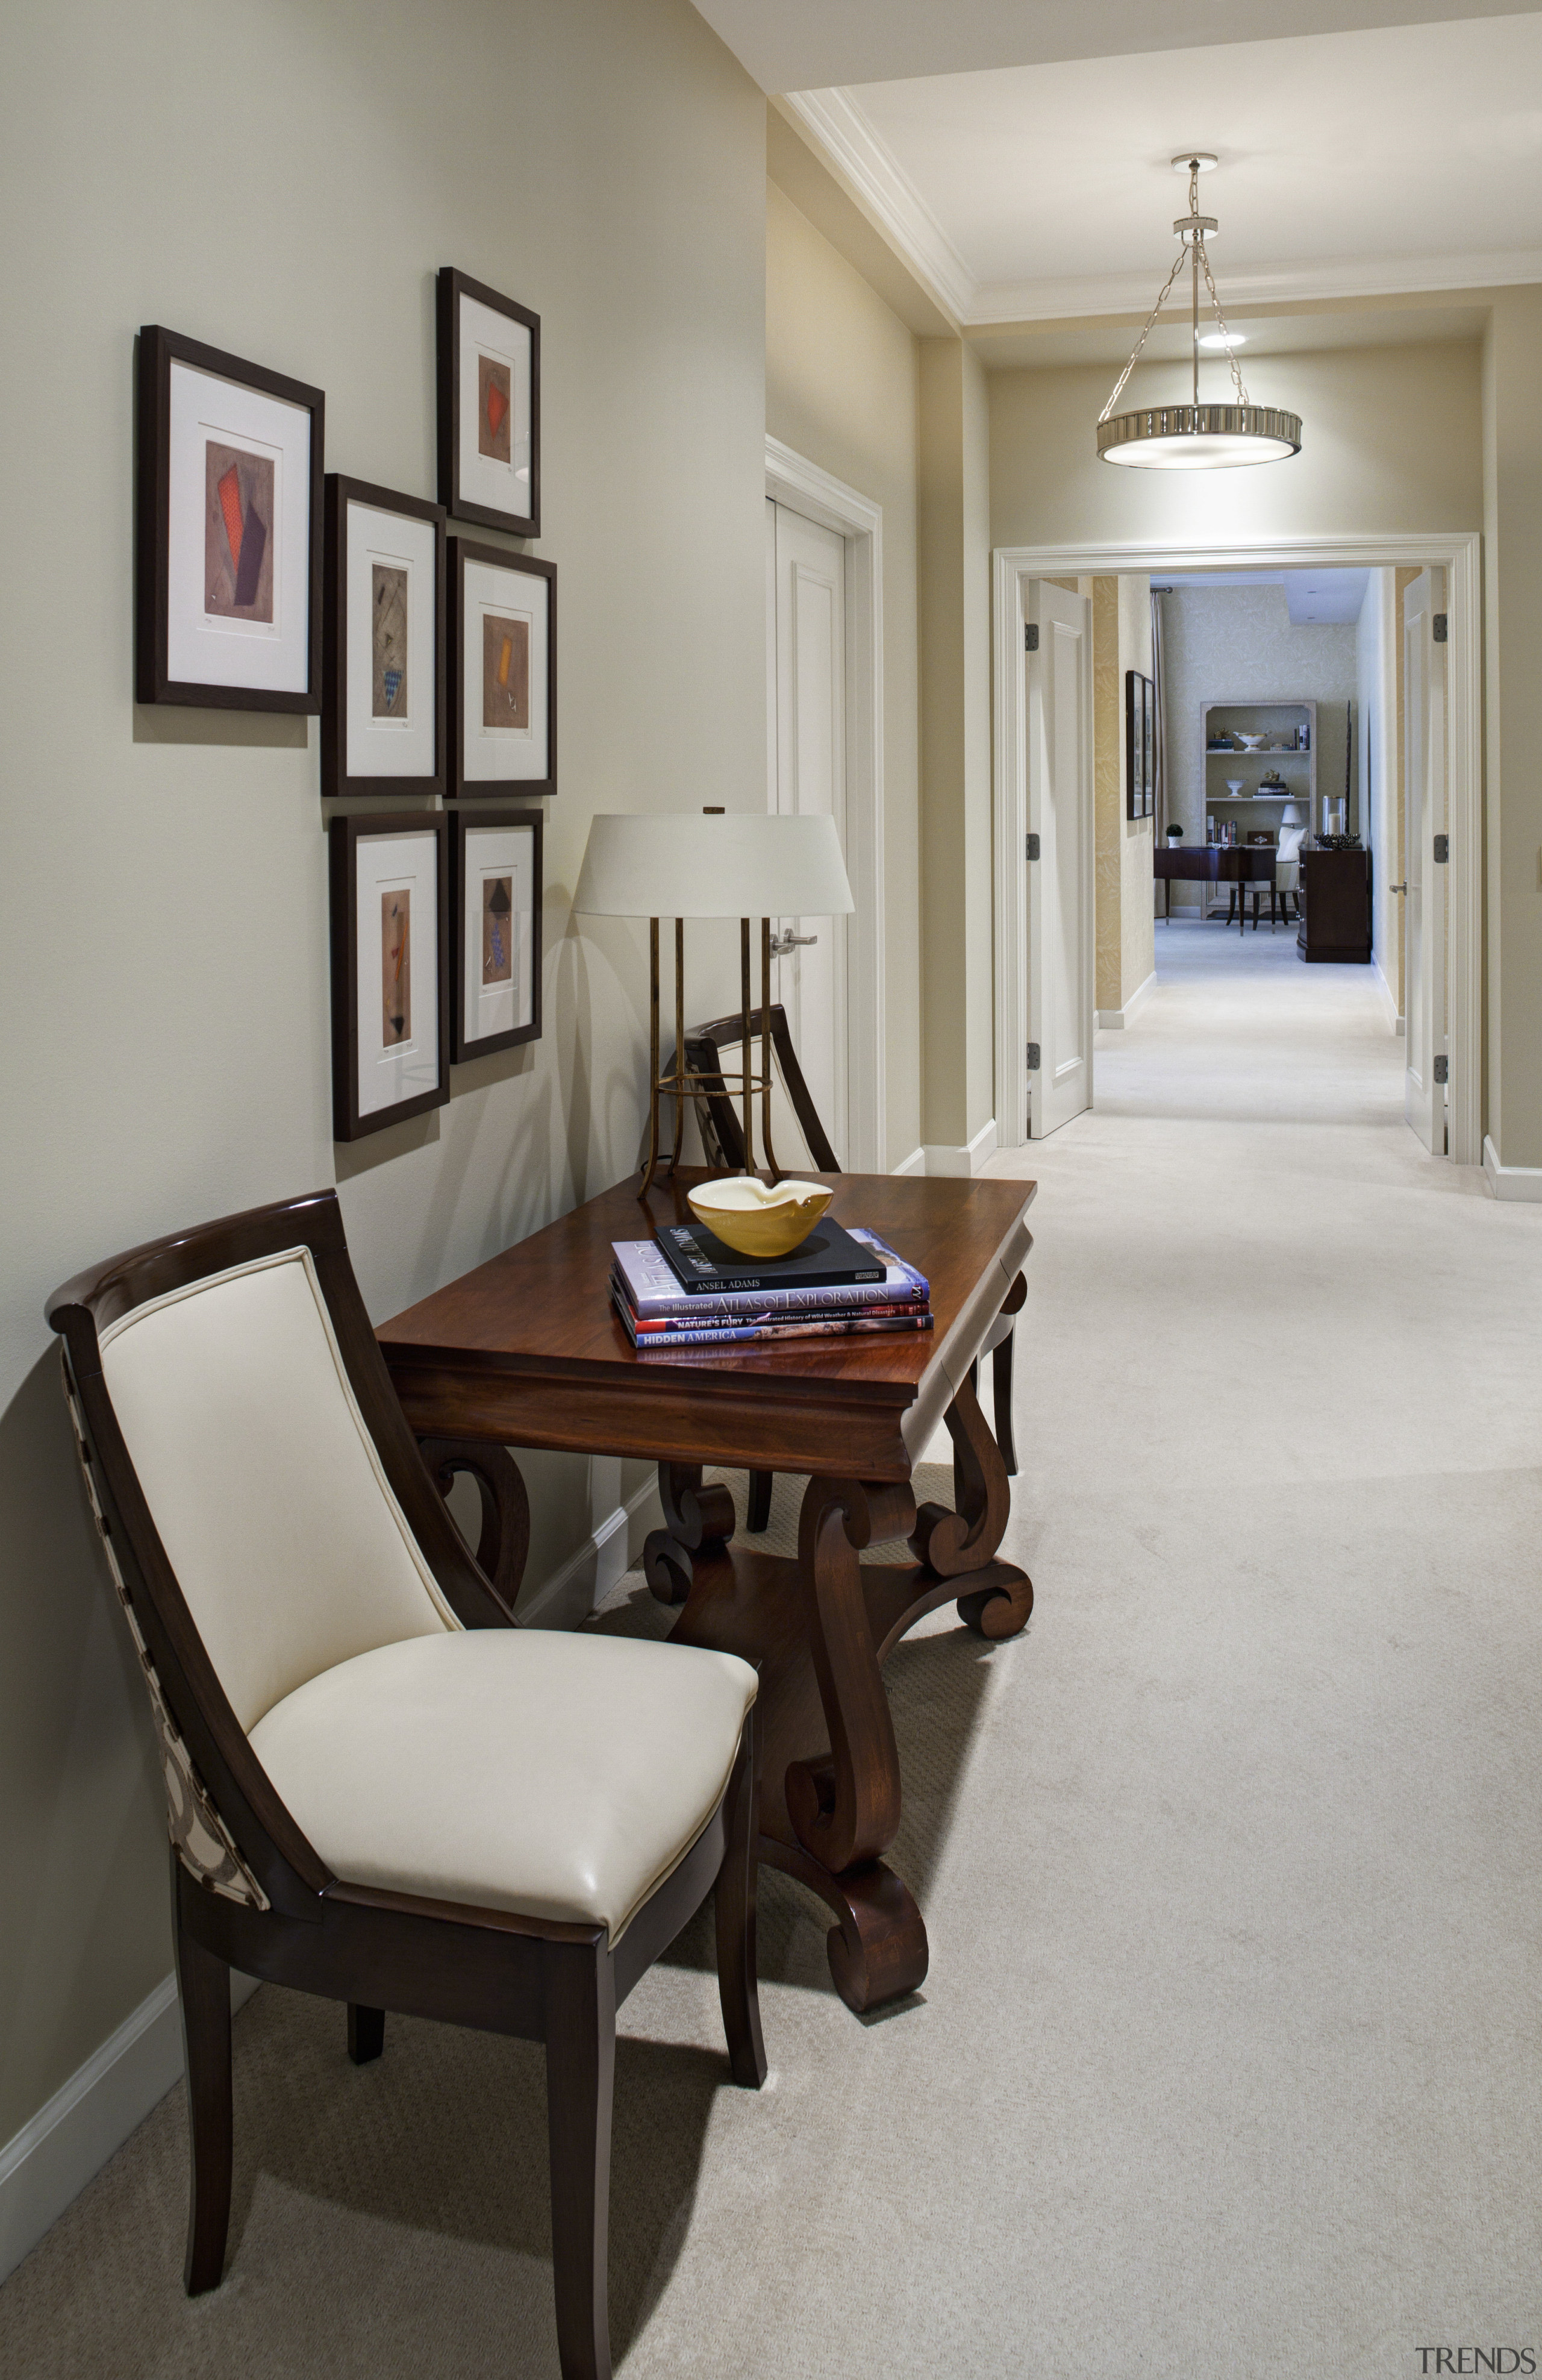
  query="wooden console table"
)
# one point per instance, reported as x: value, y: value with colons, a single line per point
x: 526, y: 1351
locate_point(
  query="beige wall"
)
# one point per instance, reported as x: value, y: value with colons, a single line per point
x: 840, y: 389
x: 1393, y: 440
x: 164, y: 917
x: 1137, y: 903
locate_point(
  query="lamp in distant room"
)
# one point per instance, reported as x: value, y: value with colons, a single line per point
x: 1195, y: 437
x: 711, y: 864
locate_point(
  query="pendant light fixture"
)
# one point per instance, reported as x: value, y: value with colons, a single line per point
x: 1195, y: 437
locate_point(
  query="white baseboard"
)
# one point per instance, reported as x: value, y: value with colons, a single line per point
x: 1388, y: 1000
x: 600, y: 1564
x: 941, y: 1157
x: 1114, y: 1020
x: 1511, y: 1182
x: 88, y: 2120
x: 914, y: 1163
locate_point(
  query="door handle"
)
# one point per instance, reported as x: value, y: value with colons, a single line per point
x: 1397, y: 888
x: 783, y: 945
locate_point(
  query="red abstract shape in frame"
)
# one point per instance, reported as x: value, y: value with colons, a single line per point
x: 230, y: 505
x: 498, y: 405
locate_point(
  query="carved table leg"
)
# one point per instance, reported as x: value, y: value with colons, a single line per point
x: 504, y: 1540
x: 696, y: 1520
x: 955, y: 1544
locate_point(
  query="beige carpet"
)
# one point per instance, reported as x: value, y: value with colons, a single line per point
x: 1228, y: 2058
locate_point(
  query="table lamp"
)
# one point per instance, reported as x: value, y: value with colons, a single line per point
x: 711, y: 864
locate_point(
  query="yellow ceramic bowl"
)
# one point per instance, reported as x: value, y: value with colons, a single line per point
x: 760, y: 1218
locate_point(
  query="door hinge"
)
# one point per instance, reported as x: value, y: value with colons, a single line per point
x: 1439, y: 627
x: 1033, y: 846
x: 1033, y: 1057
x: 1031, y: 637
x: 1442, y: 1070
x: 1442, y: 850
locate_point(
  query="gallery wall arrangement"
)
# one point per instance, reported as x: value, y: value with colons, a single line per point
x: 265, y: 583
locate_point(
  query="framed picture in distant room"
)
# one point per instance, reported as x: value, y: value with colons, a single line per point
x: 495, y: 901
x: 1148, y: 700
x: 1134, y: 743
x: 490, y: 405
x: 502, y: 671
x: 383, y: 726
x: 389, y: 968
x: 228, y: 532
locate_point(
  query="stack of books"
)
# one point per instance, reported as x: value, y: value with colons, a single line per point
x: 685, y: 1288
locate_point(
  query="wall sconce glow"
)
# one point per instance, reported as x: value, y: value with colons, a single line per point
x: 1195, y: 437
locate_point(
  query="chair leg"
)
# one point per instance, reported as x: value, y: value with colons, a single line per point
x: 580, y: 2077
x: 203, y: 1988
x: 759, y: 1511
x: 1001, y: 1383
x: 734, y: 1909
x: 365, y: 2032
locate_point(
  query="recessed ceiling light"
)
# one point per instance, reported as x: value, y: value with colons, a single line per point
x: 1224, y: 339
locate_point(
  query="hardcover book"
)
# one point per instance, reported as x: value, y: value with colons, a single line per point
x: 652, y: 1288
x: 660, y: 1340
x: 828, y: 1259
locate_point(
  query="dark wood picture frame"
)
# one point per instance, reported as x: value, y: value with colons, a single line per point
x: 451, y: 288
x: 341, y: 491
x: 1134, y: 743
x: 463, y: 1045
x: 1147, y: 704
x: 498, y: 557
x: 344, y: 834
x: 158, y: 350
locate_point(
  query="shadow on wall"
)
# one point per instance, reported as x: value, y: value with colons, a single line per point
x: 85, y: 1835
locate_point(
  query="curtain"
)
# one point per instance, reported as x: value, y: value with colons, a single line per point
x: 1159, y: 680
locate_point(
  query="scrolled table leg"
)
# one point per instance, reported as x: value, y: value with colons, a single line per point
x: 695, y: 1519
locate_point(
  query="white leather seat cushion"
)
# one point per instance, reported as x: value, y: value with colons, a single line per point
x: 563, y: 1776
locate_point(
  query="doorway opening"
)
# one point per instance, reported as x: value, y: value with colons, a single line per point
x: 1319, y: 698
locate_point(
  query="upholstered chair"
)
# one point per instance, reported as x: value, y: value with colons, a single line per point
x: 381, y: 1787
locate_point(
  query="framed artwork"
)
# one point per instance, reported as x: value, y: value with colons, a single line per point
x: 390, y: 968
x: 1147, y: 697
x: 502, y: 671
x: 495, y: 899
x: 228, y: 534
x: 489, y: 407
x: 383, y: 727
x: 1134, y: 743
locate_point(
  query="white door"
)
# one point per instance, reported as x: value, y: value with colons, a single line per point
x: 1061, y: 946
x: 1424, y: 733
x: 806, y: 707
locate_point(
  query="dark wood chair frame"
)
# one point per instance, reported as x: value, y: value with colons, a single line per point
x: 376, y: 1951
x: 723, y: 1144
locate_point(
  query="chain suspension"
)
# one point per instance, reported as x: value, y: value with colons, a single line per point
x: 1201, y: 263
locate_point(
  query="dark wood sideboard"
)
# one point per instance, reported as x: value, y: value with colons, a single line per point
x: 1335, y: 907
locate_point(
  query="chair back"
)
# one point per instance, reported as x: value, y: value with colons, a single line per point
x: 264, y: 1508
x: 798, y: 1137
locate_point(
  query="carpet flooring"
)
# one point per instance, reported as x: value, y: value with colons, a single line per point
x: 1228, y: 2060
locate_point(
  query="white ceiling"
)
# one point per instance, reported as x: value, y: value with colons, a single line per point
x: 810, y: 44
x: 1314, y: 599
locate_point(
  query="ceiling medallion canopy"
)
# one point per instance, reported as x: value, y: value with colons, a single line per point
x: 1195, y: 437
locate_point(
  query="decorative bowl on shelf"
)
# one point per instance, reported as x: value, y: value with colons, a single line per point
x: 760, y: 1218
x: 1249, y: 743
x: 1233, y: 787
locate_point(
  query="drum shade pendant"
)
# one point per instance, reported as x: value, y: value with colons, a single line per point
x: 1195, y: 437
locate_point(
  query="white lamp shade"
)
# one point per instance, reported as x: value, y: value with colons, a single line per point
x: 695, y: 863
x: 1294, y: 814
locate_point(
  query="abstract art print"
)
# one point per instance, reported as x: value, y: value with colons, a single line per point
x: 490, y: 405
x: 238, y: 533
x: 389, y: 694
x: 1134, y: 743
x: 384, y: 716
x: 495, y: 877
x: 505, y: 671
x: 228, y: 533
x: 502, y: 698
x: 389, y: 886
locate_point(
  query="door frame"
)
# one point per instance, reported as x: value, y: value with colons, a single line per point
x: 791, y: 480
x: 1459, y: 553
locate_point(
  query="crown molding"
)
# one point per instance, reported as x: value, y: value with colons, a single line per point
x: 996, y: 305
x: 873, y: 177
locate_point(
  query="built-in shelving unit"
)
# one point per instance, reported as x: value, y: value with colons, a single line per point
x: 1288, y: 751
